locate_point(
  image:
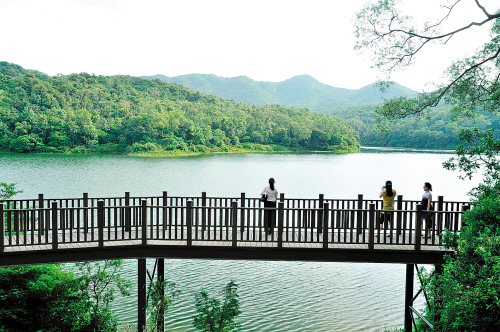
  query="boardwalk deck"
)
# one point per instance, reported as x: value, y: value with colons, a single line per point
x: 313, y: 240
x: 35, y: 253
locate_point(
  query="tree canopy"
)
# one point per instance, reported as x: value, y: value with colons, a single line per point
x: 82, y: 112
x: 472, y: 84
x: 394, y: 40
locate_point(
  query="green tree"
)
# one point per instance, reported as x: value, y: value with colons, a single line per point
x: 161, y: 295
x: 41, y: 298
x: 466, y: 295
x: 25, y: 143
x: 214, y: 316
x: 8, y: 190
x: 394, y: 40
x: 98, y: 282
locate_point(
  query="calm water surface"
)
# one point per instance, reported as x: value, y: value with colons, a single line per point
x: 275, y: 296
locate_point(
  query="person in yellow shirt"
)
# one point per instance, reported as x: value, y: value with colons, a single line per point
x: 387, y: 196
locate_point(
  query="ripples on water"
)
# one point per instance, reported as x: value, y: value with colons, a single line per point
x: 285, y: 296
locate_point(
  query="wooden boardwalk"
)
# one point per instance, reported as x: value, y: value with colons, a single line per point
x: 41, y: 230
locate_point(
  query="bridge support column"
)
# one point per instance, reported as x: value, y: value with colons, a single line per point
x: 141, y: 295
x: 161, y: 278
x: 438, y: 269
x: 408, y: 296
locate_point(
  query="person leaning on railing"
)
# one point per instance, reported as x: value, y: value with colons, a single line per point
x: 427, y: 206
x: 271, y: 194
x: 387, y: 194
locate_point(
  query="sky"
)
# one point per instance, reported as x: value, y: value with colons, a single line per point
x: 271, y: 40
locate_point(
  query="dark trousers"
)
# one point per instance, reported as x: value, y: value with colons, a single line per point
x: 270, y: 216
x: 385, y: 219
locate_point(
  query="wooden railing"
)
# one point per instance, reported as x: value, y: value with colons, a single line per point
x: 237, y: 221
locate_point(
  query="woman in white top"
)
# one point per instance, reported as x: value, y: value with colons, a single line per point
x: 270, y: 215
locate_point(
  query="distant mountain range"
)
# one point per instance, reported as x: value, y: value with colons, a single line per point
x: 298, y: 91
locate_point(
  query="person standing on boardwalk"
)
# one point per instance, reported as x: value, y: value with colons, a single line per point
x: 387, y: 194
x: 426, y: 207
x: 272, y: 194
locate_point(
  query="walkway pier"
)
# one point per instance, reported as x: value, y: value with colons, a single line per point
x: 41, y: 230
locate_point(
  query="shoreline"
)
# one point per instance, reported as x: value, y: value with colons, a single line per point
x: 160, y: 154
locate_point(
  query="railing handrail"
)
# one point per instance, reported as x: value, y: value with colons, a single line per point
x: 216, y: 197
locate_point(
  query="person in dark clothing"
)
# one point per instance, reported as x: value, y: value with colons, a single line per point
x: 426, y: 207
x: 272, y: 194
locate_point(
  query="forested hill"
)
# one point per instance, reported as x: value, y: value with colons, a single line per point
x: 298, y: 91
x: 357, y: 107
x: 438, y: 132
x: 82, y: 112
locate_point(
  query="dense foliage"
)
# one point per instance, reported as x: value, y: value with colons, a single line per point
x: 466, y: 295
x: 161, y: 295
x: 97, y: 284
x: 41, y: 298
x: 52, y: 298
x: 7, y: 190
x: 83, y: 112
x: 214, y: 316
x: 438, y: 130
x: 357, y: 107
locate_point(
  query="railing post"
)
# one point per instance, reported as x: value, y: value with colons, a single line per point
x: 320, y: 214
x: 281, y: 214
x: 234, y: 222
x: 189, y: 221
x: 100, y: 222
x: 242, y: 214
x: 464, y: 208
x: 40, y: 214
x: 371, y: 226
x: 398, y: 216
x: 164, y: 210
x: 282, y: 197
x: 144, y: 221
x: 85, y: 212
x: 55, y: 239
x: 326, y: 214
x: 439, y: 216
x: 418, y: 228
x: 2, y: 228
x: 203, y: 211
x: 128, y: 213
x: 359, y: 223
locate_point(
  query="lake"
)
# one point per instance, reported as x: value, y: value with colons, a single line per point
x: 275, y: 296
